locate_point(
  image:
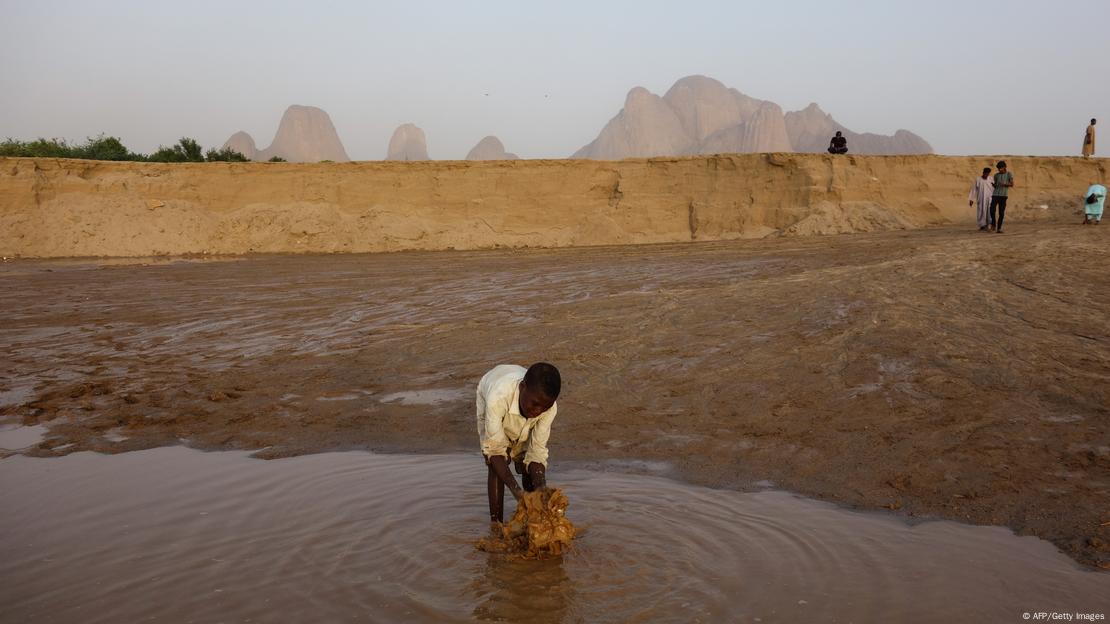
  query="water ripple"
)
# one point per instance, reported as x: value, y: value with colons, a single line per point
x: 179, y: 535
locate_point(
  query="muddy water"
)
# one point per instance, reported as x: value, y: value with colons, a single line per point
x: 934, y: 371
x: 176, y: 535
x: 15, y: 437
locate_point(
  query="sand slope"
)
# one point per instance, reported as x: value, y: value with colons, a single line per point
x: 59, y: 208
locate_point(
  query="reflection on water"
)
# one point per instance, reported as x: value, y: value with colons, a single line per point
x: 178, y: 535
x: 16, y: 437
x: 518, y: 591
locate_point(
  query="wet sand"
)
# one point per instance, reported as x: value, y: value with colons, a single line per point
x: 177, y: 535
x: 939, y: 372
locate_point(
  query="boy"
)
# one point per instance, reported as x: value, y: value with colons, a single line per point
x: 515, y: 411
x: 1003, y: 182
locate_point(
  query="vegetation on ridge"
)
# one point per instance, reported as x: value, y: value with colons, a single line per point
x: 111, y: 148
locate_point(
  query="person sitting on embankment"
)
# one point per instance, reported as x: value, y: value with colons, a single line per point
x: 515, y: 410
x: 838, y: 144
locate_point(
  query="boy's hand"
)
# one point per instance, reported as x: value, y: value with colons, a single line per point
x: 538, y: 473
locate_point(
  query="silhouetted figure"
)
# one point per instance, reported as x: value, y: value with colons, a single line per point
x: 1089, y: 140
x: 838, y: 144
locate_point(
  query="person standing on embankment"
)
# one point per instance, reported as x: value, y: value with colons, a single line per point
x: 1089, y: 140
x: 982, y: 190
x: 1003, y: 182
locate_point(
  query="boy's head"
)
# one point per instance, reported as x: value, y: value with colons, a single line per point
x: 837, y: 133
x: 986, y: 171
x: 1094, y: 121
x: 1001, y: 166
x: 539, y: 389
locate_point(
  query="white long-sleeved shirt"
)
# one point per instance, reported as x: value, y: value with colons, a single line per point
x: 502, y: 430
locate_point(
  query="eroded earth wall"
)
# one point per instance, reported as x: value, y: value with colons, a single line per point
x: 60, y: 208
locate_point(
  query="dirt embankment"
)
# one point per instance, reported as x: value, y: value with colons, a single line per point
x: 62, y: 208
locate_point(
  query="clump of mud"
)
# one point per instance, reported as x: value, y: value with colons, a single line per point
x: 539, y: 529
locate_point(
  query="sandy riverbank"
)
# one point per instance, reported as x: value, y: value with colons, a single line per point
x: 67, y: 208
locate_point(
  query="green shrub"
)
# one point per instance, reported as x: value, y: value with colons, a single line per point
x: 166, y: 155
x: 186, y: 150
x: 191, y: 149
x: 224, y: 155
x: 277, y: 159
x: 40, y: 148
x: 104, y: 148
x: 94, y: 148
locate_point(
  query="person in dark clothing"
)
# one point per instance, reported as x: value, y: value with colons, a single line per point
x: 838, y: 144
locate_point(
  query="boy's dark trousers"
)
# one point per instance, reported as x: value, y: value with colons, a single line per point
x: 1000, y: 202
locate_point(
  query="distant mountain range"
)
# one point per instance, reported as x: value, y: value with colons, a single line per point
x: 697, y: 115
x: 305, y: 134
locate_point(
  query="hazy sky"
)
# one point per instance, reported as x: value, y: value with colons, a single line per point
x: 1020, y: 77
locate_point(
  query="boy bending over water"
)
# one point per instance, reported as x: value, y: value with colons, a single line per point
x: 515, y: 411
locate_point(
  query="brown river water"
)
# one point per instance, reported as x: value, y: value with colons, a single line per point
x: 178, y: 535
x: 937, y: 372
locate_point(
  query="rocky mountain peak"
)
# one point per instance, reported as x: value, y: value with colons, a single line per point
x: 407, y: 143
x: 490, y: 148
x: 305, y: 134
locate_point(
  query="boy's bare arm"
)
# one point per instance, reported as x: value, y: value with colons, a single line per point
x: 501, y: 469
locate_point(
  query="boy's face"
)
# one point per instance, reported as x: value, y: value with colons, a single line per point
x: 533, y: 403
x: 1001, y: 170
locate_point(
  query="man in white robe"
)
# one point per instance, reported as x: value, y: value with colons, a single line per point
x: 980, y: 196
